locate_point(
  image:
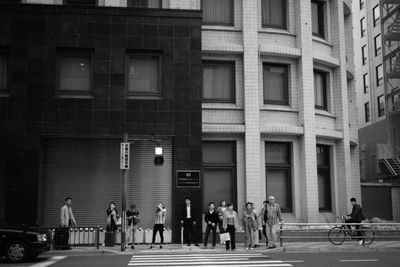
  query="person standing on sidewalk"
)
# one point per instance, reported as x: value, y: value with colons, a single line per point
x: 249, y: 223
x: 272, y: 222
x: 230, y: 223
x: 264, y: 220
x: 67, y: 219
x: 258, y: 231
x: 159, y: 222
x: 356, y: 216
x: 221, y: 210
x: 111, y: 217
x: 211, y: 219
x: 188, y: 220
x: 133, y: 218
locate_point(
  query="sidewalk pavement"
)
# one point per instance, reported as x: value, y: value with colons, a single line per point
x: 299, y: 247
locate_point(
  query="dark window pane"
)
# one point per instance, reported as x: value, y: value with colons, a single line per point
x: 324, y: 191
x: 275, y: 84
x: 317, y: 18
x: 145, y: 3
x: 381, y: 106
x: 219, y: 81
x: 376, y: 14
x: 218, y: 185
x: 278, y: 185
x: 144, y: 74
x: 367, y: 112
x: 3, y: 71
x: 218, y: 152
x: 322, y: 156
x: 379, y: 75
x: 274, y: 13
x: 217, y: 11
x: 364, y: 54
x: 365, y: 83
x: 320, y: 90
x: 277, y: 153
x: 75, y: 74
x: 378, y: 44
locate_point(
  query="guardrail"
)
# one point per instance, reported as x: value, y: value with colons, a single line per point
x: 80, y: 236
x: 319, y: 231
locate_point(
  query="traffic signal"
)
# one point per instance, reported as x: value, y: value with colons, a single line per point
x: 159, y: 158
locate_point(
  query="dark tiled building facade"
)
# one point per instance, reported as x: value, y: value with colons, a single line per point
x: 43, y: 44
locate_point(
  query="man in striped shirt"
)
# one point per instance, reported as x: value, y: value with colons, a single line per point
x: 273, y: 218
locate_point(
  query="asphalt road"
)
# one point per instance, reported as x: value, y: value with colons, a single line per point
x: 336, y: 259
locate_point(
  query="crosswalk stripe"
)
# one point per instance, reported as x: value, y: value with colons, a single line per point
x: 202, y: 263
x: 226, y: 265
x: 198, y: 255
x: 188, y: 260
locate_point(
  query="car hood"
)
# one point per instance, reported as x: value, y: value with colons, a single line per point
x: 21, y: 229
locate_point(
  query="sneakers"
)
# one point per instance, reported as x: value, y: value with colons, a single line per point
x: 132, y: 247
x: 151, y: 247
x: 361, y: 242
x: 160, y: 247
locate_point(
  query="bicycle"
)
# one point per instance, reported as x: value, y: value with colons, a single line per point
x: 338, y: 234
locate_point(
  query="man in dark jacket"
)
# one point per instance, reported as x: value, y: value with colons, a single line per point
x: 355, y: 216
x: 188, y: 220
x: 211, y: 218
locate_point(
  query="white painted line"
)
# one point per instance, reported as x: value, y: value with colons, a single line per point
x: 360, y: 260
x: 294, y: 261
x: 49, y: 262
x: 198, y: 263
x: 199, y: 255
x: 190, y: 259
x: 113, y: 251
x: 230, y: 265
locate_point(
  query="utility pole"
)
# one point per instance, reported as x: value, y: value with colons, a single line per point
x: 125, y: 168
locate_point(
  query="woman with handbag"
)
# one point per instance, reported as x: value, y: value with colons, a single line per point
x: 220, y: 211
x: 230, y: 223
x: 159, y: 222
x: 249, y: 222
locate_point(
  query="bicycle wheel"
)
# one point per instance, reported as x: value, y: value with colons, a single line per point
x: 368, y: 234
x: 337, y: 235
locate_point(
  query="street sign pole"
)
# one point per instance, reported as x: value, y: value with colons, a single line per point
x: 124, y: 193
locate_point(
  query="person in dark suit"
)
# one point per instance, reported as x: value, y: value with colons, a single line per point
x: 188, y: 220
x: 356, y: 216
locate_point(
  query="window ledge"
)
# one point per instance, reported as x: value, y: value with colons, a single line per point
x: 150, y: 97
x: 276, y: 31
x: 220, y: 28
x: 321, y: 41
x: 270, y: 107
x: 220, y: 106
x: 324, y: 113
x: 74, y: 96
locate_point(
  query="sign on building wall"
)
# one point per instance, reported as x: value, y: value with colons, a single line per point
x: 188, y: 178
x: 124, y: 165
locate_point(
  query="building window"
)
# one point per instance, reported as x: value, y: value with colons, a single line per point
x: 376, y: 14
x: 75, y: 72
x: 318, y: 18
x: 365, y: 83
x: 217, y: 12
x: 381, y: 106
x: 274, y: 13
x: 3, y: 72
x: 144, y: 74
x: 275, y: 83
x: 219, y: 172
x: 378, y: 44
x: 278, y: 165
x: 362, y: 25
x: 362, y: 4
x: 367, y: 112
x: 379, y: 75
x: 219, y: 81
x: 81, y: 2
x: 145, y: 3
x: 364, y: 54
x: 324, y: 178
x: 320, y: 90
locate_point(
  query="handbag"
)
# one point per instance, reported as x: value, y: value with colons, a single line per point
x: 224, y: 237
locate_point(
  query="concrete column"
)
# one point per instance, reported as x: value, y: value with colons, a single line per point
x: 251, y: 100
x: 307, y: 142
x: 340, y: 94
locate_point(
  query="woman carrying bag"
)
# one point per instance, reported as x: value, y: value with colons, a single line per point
x: 230, y: 223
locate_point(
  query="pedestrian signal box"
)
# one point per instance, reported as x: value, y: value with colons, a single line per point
x: 124, y: 156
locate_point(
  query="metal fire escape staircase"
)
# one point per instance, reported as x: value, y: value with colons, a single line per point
x: 392, y: 162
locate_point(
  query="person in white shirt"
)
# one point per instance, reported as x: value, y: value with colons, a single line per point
x: 66, y: 214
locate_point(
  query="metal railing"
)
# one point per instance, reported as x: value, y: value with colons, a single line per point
x: 80, y: 236
x: 319, y: 231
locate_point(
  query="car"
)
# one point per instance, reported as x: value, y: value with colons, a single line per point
x: 21, y: 243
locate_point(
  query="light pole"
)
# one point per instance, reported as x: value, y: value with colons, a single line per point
x: 125, y: 155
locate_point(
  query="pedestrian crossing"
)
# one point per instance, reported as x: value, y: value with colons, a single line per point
x: 206, y: 260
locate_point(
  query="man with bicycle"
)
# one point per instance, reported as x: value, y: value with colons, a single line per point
x: 356, y: 216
